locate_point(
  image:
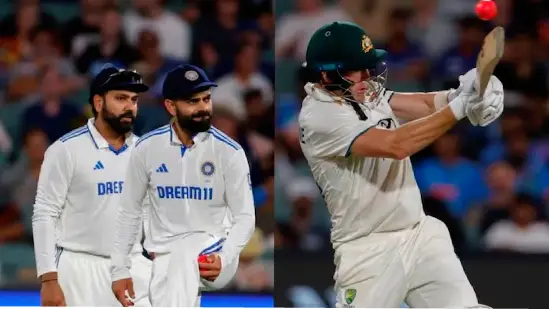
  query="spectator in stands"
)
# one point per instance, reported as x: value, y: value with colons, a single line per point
x: 52, y: 113
x: 258, y: 148
x: 220, y: 31
x: 524, y: 232
x: 501, y: 178
x: 21, y: 182
x: 266, y: 26
x: 450, y: 177
x: 112, y: 47
x: 83, y: 30
x: 153, y: 66
x: 6, y: 144
x: 174, y: 32
x: 191, y: 13
x: 510, y: 122
x: 518, y: 152
x: 405, y: 60
x: 16, y: 29
x: 522, y: 71
x: 246, y: 76
x: 300, y: 232
x: 432, y: 23
x: 463, y: 56
x: 25, y: 76
x: 251, y: 275
x: 294, y: 30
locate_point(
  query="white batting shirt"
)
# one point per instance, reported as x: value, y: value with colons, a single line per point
x: 191, y: 189
x: 79, y: 190
x: 363, y: 195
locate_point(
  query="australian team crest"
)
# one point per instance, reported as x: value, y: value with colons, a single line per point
x: 208, y: 168
x: 366, y: 44
x: 350, y: 295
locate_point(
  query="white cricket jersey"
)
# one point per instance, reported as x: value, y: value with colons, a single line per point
x: 192, y: 189
x: 363, y: 195
x: 79, y: 190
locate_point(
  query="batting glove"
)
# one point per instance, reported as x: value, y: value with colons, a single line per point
x: 486, y: 111
x: 465, y: 96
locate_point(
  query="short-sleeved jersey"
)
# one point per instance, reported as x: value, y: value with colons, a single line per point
x: 80, y: 184
x: 363, y: 195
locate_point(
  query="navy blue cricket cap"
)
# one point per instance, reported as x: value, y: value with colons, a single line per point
x: 112, y: 78
x: 185, y: 81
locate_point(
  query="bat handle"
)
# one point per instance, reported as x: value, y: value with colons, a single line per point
x: 479, y: 89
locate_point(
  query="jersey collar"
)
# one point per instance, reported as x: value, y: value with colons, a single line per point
x: 318, y: 93
x: 100, y: 142
x: 174, y: 140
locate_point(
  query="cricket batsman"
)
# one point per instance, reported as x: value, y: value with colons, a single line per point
x: 79, y: 189
x: 386, y: 249
x: 196, y: 177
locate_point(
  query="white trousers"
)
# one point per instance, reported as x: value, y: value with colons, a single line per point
x: 176, y: 280
x: 86, y: 280
x: 417, y: 266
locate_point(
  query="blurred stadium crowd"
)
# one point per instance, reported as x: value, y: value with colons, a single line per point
x: 490, y: 185
x: 49, y: 50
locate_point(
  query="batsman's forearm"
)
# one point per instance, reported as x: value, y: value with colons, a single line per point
x: 418, y: 134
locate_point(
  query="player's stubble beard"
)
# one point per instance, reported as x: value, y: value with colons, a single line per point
x: 116, y: 123
x: 191, y: 125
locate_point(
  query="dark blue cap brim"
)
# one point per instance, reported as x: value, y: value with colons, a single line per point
x: 205, y: 84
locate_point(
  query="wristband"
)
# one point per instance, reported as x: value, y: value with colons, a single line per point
x: 458, y: 108
x: 441, y: 99
x: 48, y: 280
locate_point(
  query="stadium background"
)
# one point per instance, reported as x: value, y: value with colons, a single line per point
x: 490, y: 185
x: 48, y: 52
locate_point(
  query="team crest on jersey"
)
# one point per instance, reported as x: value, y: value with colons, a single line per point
x: 350, y: 295
x: 366, y: 44
x: 208, y: 168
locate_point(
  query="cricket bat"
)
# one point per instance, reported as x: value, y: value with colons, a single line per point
x: 489, y: 56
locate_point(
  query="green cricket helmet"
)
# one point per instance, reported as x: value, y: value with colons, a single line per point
x: 340, y: 47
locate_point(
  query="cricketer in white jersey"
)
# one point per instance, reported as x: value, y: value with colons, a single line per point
x: 386, y: 249
x: 79, y: 189
x: 195, y: 176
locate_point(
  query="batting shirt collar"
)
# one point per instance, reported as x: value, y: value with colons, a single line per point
x: 174, y: 139
x: 101, y: 143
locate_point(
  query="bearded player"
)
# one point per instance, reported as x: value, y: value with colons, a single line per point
x: 198, y: 180
x: 386, y: 249
x: 79, y: 189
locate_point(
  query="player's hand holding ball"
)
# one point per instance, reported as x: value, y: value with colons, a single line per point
x: 119, y: 288
x: 51, y: 294
x: 209, y: 266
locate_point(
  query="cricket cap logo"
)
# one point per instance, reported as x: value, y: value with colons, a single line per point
x: 366, y: 44
x: 350, y: 295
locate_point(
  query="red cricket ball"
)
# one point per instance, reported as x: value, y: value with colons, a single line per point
x: 486, y: 9
x: 202, y: 259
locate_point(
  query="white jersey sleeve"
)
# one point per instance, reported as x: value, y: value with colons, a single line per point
x: 241, y: 204
x: 53, y: 184
x: 329, y: 129
x: 130, y: 215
